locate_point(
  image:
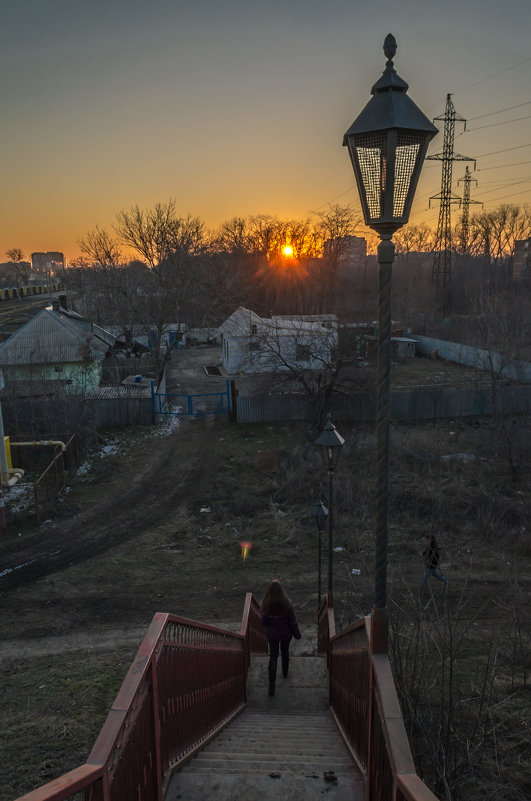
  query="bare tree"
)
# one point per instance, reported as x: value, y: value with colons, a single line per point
x: 168, y: 243
x: 413, y: 239
x: 493, y: 233
x: 334, y: 227
x: 101, y: 248
x: 21, y: 269
x: 158, y: 234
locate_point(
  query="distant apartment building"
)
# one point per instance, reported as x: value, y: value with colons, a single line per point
x: 522, y: 259
x: 48, y: 262
x: 351, y: 249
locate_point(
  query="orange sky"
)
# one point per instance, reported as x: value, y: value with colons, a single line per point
x: 239, y: 108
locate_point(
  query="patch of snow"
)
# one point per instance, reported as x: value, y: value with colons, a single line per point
x: 109, y: 450
x: 19, y: 497
x: 463, y: 457
x: 17, y: 567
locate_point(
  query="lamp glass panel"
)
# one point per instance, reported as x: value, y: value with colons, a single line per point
x: 407, y: 153
x: 371, y: 154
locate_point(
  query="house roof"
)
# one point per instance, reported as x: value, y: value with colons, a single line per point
x: 56, y: 336
x: 239, y: 323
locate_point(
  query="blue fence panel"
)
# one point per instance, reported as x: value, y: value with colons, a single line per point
x: 190, y: 405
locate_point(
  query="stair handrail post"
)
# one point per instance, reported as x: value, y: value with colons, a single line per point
x: 159, y: 778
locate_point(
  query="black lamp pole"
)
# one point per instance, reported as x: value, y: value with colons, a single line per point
x: 330, y: 443
x: 387, y: 144
x: 320, y: 512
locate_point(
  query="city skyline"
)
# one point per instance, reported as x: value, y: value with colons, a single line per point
x: 236, y: 108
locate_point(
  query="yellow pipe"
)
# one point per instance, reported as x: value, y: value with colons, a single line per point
x: 17, y: 474
x: 41, y: 442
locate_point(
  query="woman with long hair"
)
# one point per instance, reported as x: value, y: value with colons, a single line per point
x: 278, y: 617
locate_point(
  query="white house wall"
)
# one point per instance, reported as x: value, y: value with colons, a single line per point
x: 78, y: 378
x: 279, y: 353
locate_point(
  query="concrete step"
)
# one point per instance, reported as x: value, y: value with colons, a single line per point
x: 242, y: 763
x: 263, y: 787
x: 304, y: 690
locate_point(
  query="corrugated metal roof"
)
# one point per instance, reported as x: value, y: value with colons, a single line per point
x: 52, y: 337
x: 111, y: 393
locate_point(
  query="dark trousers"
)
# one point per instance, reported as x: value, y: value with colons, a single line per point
x: 274, y: 647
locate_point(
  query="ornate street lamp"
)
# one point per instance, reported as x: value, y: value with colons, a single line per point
x: 387, y: 145
x: 330, y: 443
x: 320, y: 513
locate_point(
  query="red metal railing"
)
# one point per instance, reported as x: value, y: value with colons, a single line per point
x: 326, y: 627
x: 364, y: 702
x: 186, y: 683
x: 254, y: 634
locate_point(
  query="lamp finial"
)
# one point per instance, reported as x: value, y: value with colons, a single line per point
x: 389, y: 47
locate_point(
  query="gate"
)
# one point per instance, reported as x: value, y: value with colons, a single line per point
x: 190, y: 405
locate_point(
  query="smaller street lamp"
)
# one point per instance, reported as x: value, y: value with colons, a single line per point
x: 319, y: 512
x: 330, y: 443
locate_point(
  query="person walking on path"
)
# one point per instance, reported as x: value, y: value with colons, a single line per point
x: 278, y: 618
x: 431, y: 561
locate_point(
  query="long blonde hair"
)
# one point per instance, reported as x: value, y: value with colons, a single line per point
x: 276, y: 602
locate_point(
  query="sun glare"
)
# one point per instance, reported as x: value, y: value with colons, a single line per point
x: 287, y: 250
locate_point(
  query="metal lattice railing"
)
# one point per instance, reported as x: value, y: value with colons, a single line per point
x: 186, y: 683
x: 364, y: 702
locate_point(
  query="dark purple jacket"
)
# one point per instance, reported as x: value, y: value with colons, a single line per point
x: 281, y: 628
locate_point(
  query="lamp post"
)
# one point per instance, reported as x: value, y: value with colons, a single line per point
x: 319, y: 512
x: 387, y: 144
x: 330, y: 443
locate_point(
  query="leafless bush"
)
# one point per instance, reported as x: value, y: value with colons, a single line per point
x: 453, y: 688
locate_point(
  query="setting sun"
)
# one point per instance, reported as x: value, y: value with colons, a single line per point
x: 287, y: 250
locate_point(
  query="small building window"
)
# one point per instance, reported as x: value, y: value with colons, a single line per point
x: 302, y: 353
x: 254, y: 330
x: 254, y: 346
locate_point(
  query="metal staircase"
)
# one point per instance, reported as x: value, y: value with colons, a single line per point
x: 192, y: 720
x: 284, y: 747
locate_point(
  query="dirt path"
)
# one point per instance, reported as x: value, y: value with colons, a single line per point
x: 79, y: 641
x: 166, y: 472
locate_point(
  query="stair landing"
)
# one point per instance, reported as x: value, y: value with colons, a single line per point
x: 286, y: 748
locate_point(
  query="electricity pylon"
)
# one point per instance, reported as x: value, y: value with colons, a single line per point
x: 442, y: 257
x: 466, y: 180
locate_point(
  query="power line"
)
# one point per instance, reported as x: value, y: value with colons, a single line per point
x: 494, y: 124
x: 505, y: 150
x: 491, y: 113
x: 513, y: 194
x: 494, y: 75
x: 502, y: 166
x: 511, y: 183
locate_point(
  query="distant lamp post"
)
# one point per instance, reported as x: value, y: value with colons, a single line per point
x: 320, y: 513
x: 387, y: 144
x: 330, y: 443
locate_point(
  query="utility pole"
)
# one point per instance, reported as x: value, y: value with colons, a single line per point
x: 466, y: 180
x: 442, y: 257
